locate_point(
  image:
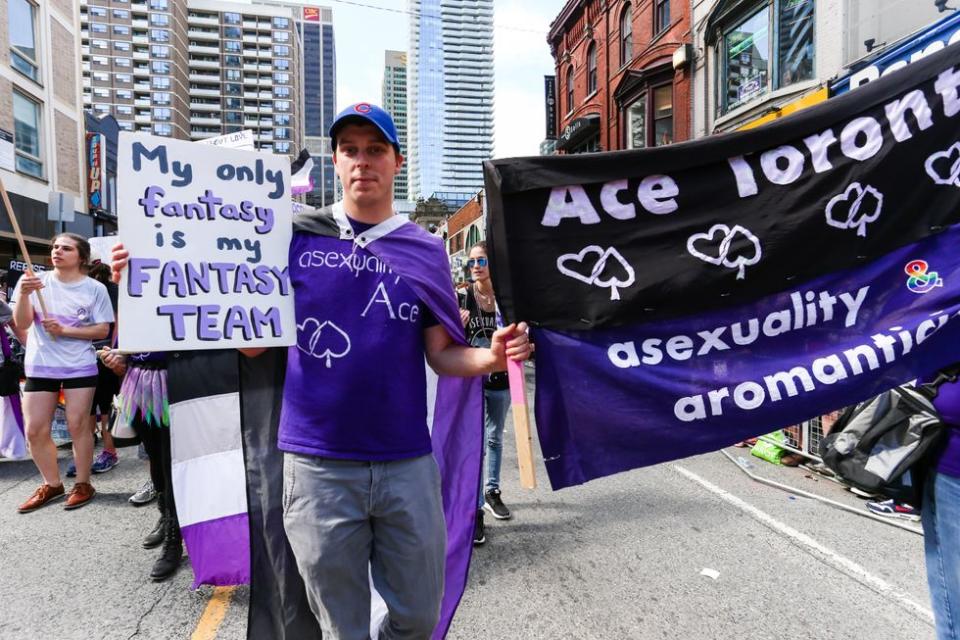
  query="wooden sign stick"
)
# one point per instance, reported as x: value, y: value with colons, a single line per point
x: 521, y: 423
x: 23, y: 246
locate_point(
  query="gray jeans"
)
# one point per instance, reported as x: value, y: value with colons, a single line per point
x: 351, y: 522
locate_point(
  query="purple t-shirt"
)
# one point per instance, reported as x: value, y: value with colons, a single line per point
x: 355, y: 384
x: 948, y: 404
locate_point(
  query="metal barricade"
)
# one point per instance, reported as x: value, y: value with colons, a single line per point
x: 805, y: 437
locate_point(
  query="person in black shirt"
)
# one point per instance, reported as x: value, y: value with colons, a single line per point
x: 479, y: 315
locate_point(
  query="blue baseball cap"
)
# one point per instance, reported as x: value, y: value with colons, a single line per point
x: 366, y: 112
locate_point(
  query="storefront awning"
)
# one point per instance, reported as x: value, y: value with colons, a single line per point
x: 578, y: 130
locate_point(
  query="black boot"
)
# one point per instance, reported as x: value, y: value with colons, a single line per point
x: 155, y: 537
x: 169, y: 560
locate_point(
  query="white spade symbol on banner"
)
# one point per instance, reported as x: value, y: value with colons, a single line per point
x: 611, y: 281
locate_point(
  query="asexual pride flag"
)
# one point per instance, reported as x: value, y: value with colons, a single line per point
x: 688, y: 296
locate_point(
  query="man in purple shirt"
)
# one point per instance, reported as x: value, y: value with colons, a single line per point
x: 362, y: 500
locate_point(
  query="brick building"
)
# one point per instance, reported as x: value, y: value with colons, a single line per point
x: 623, y: 74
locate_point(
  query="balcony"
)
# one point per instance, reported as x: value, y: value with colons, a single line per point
x: 142, y: 102
x: 203, y: 22
x: 141, y: 55
x: 141, y: 40
x: 139, y: 23
x: 208, y: 78
x: 200, y: 134
x: 207, y: 93
x: 251, y: 109
x: 204, y: 35
x: 142, y: 119
x: 204, y: 64
x: 204, y: 106
x: 205, y: 120
x: 210, y: 50
x: 249, y: 67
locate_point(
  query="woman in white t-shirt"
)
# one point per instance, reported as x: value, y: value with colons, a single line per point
x: 60, y: 355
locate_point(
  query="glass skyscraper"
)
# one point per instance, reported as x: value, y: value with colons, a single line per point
x: 450, y: 95
x: 395, y: 102
x: 319, y: 97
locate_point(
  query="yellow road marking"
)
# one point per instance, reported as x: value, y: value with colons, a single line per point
x: 214, y: 614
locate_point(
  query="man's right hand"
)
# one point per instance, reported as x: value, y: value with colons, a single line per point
x: 118, y: 261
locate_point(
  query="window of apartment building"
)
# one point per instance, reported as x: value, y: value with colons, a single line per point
x: 281, y: 50
x: 159, y: 5
x: 160, y: 66
x: 233, y: 32
x: 97, y: 12
x: 124, y: 110
x: 282, y: 119
x: 159, y: 51
x: 282, y: 147
x: 160, y: 19
x: 661, y: 16
x: 101, y: 92
x: 123, y: 78
x: 753, y: 63
x: 121, y: 45
x: 121, y: 30
x: 124, y: 94
x: 126, y: 126
x: 281, y: 133
x: 232, y: 103
x: 232, y: 61
x: 281, y: 23
x: 162, y: 129
x: 161, y: 114
x: 281, y: 92
x: 26, y: 126
x: 233, y: 117
x: 161, y: 97
x: 231, y: 18
x: 233, y: 46
x: 102, y: 109
x: 122, y: 62
x: 100, y: 76
x: 98, y: 27
x: 160, y: 82
x: 626, y: 35
x: 233, y: 75
x: 232, y: 89
x: 592, y: 68
x: 99, y: 44
x: 281, y: 105
x: 281, y: 63
x: 648, y: 118
x: 159, y: 35
x: 281, y: 36
x: 100, y: 61
x: 570, y: 104
x: 282, y: 78
x: 121, y: 14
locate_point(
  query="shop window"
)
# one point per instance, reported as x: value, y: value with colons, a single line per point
x: 592, y: 68
x: 661, y: 16
x: 626, y: 36
x: 753, y: 63
x: 637, y: 124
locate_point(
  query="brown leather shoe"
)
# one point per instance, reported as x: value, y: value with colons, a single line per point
x: 44, y: 494
x: 81, y: 494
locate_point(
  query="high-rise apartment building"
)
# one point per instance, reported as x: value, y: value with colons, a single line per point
x: 450, y: 95
x: 193, y: 69
x: 315, y: 25
x: 394, y: 100
x: 42, y: 146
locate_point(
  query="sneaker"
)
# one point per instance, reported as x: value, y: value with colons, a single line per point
x: 71, y: 470
x: 478, y: 535
x: 894, y: 509
x: 44, y: 494
x: 144, y: 495
x: 493, y: 504
x: 105, y: 461
x: 863, y: 494
x: 81, y: 494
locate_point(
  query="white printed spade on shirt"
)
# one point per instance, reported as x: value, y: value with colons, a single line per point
x: 322, y: 340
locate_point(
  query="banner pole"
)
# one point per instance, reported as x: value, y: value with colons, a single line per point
x: 23, y: 246
x: 521, y: 423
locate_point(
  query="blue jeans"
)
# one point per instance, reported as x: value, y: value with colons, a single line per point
x: 941, y: 530
x: 495, y: 405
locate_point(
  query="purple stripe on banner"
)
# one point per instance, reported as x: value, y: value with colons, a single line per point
x: 43, y: 371
x: 219, y: 550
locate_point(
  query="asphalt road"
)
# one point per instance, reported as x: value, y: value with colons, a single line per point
x: 622, y: 557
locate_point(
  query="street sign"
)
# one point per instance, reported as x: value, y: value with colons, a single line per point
x: 59, y: 207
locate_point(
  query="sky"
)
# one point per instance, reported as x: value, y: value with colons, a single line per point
x: 364, y: 29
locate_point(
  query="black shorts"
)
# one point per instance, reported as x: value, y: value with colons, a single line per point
x: 52, y: 385
x: 108, y: 385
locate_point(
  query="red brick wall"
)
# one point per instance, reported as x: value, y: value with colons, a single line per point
x: 586, y: 21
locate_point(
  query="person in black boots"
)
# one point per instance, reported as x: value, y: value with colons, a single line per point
x: 145, y: 407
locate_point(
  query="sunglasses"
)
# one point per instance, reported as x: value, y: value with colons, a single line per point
x: 479, y: 262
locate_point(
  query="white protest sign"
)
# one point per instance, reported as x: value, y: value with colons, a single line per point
x: 100, y: 247
x: 237, y: 140
x: 208, y: 230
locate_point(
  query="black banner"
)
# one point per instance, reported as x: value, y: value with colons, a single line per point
x: 607, y: 239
